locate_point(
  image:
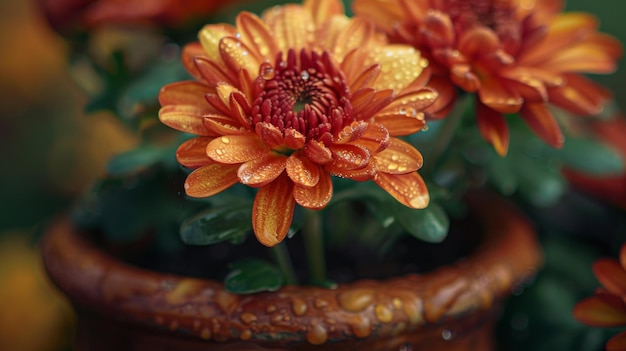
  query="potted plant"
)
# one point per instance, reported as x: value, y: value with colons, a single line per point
x: 297, y: 184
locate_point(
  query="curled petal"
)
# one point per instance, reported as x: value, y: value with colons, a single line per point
x: 611, y: 275
x: 352, y: 132
x: 263, y: 170
x: 302, y: 171
x: 496, y: 94
x: 186, y: 118
x: 269, y: 133
x: 398, y: 125
x: 189, y: 54
x: 463, y: 76
x: 447, y: 94
x: 316, y: 197
x: 478, y: 42
x: 358, y: 175
x: 184, y: 93
x: 410, y: 104
x: 409, y: 189
x: 375, y: 139
x: 223, y: 125
x: 317, y: 152
x: 540, y: 120
x: 210, y: 37
x: 294, y: 139
x: 399, y: 158
x: 212, y: 72
x: 597, y: 312
x: 437, y: 29
x: 493, y: 128
x: 192, y: 153
x: 235, y: 149
x: 272, y: 211
x: 349, y: 157
x: 209, y: 180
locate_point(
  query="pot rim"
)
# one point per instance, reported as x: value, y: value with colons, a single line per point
x: 97, y: 282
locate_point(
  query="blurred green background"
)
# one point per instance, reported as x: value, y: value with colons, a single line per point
x: 52, y: 151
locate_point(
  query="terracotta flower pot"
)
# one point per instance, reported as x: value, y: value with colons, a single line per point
x: 121, y: 307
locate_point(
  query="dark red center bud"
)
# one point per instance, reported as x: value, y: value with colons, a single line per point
x: 498, y: 15
x: 304, y: 92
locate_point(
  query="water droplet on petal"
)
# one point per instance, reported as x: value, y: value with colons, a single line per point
x: 447, y: 335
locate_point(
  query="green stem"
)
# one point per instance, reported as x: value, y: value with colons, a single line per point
x: 314, y: 244
x: 281, y: 255
x: 446, y: 132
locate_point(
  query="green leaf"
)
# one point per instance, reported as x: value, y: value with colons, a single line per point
x: 251, y: 276
x: 540, y: 185
x: 502, y: 176
x: 430, y: 224
x: 135, y: 160
x: 226, y: 223
x: 590, y: 156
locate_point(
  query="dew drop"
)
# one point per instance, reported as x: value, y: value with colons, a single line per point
x: 305, y: 75
x: 299, y: 307
x: 246, y: 335
x: 383, y: 313
x: 317, y: 335
x: 248, y: 318
x: 356, y: 300
x: 447, y: 335
x: 225, y: 140
x: 425, y: 128
x: 266, y: 71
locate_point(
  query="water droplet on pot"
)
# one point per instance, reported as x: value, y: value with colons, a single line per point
x: 317, y: 335
x: 447, y: 335
x: 248, y: 318
x: 299, y: 306
x: 356, y: 300
x: 383, y: 313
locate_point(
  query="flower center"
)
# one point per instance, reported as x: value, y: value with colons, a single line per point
x: 499, y: 15
x: 303, y: 92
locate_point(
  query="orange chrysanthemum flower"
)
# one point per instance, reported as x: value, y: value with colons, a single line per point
x: 517, y: 55
x: 284, y: 101
x: 607, y: 308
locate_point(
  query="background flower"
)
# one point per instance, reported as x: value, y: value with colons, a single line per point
x: 516, y: 55
x: 284, y: 101
x: 607, y: 308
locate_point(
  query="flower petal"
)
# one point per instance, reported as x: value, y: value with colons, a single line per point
x: 185, y: 93
x: 236, y: 55
x: 302, y: 171
x: 437, y: 29
x: 256, y: 35
x: 358, y: 175
x: 400, y: 65
x: 269, y: 133
x: 316, y: 197
x: 399, y: 158
x: 375, y: 139
x: 611, y: 275
x: 540, y: 120
x: 478, y: 42
x: 397, y: 124
x: 347, y: 156
x: 597, y: 312
x: 263, y: 170
x: 210, y: 37
x: 496, y: 94
x: 290, y: 25
x: 188, y: 57
x: 322, y: 10
x: 294, y: 139
x: 493, y: 128
x: 617, y: 342
x: 272, y: 211
x: 235, y: 149
x: 351, y: 132
x: 409, y: 189
x: 192, y: 153
x: 223, y: 125
x: 317, y: 152
x: 210, y: 180
x: 380, y: 12
x: 213, y: 73
x: 186, y: 118
x: 579, y: 95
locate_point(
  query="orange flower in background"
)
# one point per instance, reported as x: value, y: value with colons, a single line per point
x: 607, y: 308
x: 517, y: 55
x: 69, y: 14
x: 284, y: 101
